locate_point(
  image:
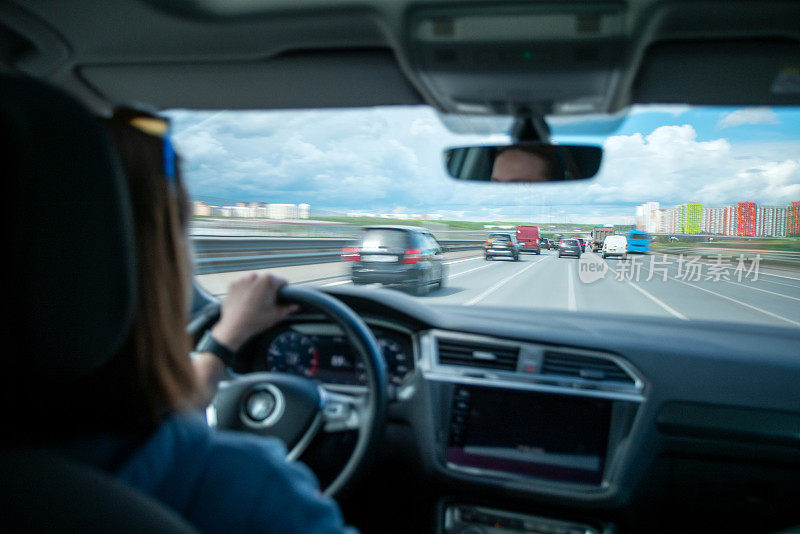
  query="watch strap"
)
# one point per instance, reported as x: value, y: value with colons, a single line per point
x: 207, y: 343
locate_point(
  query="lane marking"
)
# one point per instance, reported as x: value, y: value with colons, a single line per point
x: 337, y: 283
x: 766, y: 312
x: 760, y: 272
x: 795, y: 286
x: 657, y: 301
x: 502, y: 282
x: 473, y: 269
x: 739, y: 284
x: 744, y: 283
x: 451, y: 262
x: 572, y: 305
x: 779, y: 276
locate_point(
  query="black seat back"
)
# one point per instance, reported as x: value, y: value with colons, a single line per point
x: 69, y: 303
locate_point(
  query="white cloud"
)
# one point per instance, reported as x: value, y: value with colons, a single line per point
x: 761, y: 115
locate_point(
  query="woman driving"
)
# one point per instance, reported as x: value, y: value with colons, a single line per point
x: 141, y: 410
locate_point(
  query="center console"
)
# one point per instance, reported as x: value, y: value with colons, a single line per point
x: 515, y: 433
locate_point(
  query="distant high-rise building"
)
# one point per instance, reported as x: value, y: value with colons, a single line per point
x: 729, y: 220
x: 690, y: 218
x: 746, y: 213
x: 201, y: 208
x: 658, y: 218
x: 771, y: 221
x: 793, y: 219
x: 644, y: 214
x: 713, y: 220
x: 671, y: 220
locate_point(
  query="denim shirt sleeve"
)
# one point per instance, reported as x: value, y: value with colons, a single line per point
x: 230, y: 482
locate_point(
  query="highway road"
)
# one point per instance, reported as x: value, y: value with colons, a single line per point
x: 653, y: 285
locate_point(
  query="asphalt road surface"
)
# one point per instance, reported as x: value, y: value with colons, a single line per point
x: 653, y: 285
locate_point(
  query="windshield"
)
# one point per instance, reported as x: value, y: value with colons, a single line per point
x: 501, y: 237
x: 714, y: 193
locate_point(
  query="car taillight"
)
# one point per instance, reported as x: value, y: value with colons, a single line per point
x: 413, y: 255
x: 350, y: 254
x: 488, y: 242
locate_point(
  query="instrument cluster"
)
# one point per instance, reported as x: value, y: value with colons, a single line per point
x: 321, y: 353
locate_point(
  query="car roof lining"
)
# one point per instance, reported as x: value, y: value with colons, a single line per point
x: 254, y: 54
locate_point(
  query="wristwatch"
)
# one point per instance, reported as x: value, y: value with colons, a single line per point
x: 207, y: 343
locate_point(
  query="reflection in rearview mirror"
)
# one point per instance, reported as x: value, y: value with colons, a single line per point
x: 527, y: 162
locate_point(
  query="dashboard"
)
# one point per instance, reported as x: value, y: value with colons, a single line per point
x: 542, y: 421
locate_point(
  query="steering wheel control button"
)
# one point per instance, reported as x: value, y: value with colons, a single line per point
x: 263, y: 406
x: 260, y: 405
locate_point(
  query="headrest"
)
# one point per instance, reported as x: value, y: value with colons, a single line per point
x: 72, y: 282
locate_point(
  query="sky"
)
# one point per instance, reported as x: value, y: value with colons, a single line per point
x: 389, y: 160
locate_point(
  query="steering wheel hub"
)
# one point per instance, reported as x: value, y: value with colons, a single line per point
x: 263, y: 406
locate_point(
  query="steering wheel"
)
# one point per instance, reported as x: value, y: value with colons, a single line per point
x: 295, y: 409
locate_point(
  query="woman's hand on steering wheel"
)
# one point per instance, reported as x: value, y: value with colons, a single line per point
x: 249, y: 308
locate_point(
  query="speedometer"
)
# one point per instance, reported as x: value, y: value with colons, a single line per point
x: 293, y: 352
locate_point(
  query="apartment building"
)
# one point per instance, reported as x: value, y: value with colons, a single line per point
x: 746, y: 213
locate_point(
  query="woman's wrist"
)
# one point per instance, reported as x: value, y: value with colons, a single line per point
x: 228, y: 337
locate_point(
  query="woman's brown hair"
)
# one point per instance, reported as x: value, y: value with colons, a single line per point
x: 152, y: 370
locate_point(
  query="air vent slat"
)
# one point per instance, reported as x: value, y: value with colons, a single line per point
x: 583, y: 367
x: 477, y: 354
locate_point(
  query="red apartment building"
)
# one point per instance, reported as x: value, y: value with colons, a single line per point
x: 793, y: 216
x: 746, y: 218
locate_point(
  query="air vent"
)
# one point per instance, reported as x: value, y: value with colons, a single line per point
x: 584, y: 367
x: 478, y: 354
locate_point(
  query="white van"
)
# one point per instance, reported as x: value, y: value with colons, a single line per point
x: 615, y: 245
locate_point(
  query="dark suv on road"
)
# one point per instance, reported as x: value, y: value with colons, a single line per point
x: 406, y: 256
x: 501, y: 244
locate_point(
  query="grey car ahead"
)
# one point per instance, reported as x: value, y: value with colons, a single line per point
x: 569, y: 247
x: 405, y: 256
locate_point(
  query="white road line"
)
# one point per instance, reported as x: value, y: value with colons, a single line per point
x: 657, y: 301
x: 761, y: 273
x: 474, y: 269
x: 451, y: 262
x: 337, y: 283
x: 739, y: 284
x: 489, y: 291
x: 782, y: 318
x: 781, y: 283
x: 572, y: 305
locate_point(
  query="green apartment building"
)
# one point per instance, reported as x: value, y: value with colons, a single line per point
x: 691, y: 218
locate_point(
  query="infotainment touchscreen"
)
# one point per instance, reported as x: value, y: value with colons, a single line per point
x: 556, y: 437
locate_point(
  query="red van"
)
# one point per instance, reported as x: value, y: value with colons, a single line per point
x: 528, y: 237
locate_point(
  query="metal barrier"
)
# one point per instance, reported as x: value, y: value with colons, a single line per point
x: 223, y: 254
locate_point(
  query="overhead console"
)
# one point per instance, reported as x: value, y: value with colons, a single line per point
x: 560, y: 59
x: 529, y: 414
x: 563, y: 59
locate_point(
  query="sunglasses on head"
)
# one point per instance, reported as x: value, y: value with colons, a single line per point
x: 157, y: 127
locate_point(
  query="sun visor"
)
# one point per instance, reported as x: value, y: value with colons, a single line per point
x: 313, y: 78
x: 744, y: 72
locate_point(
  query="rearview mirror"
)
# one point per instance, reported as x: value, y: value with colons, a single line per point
x: 525, y: 162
